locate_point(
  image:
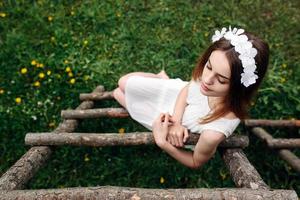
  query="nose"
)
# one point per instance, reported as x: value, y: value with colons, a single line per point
x: 209, y: 79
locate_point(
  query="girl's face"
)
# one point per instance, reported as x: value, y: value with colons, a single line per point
x: 216, y: 75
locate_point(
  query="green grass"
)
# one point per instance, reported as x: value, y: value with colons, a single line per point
x: 102, y: 41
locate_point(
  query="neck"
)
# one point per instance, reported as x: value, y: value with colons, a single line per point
x: 214, y: 102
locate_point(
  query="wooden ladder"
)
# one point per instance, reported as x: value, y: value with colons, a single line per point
x: 246, y: 178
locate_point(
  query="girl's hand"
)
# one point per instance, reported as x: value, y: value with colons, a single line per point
x: 178, y: 134
x: 160, y: 128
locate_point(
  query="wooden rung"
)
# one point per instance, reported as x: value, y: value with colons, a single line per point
x: 282, y: 143
x: 272, y: 123
x: 96, y: 96
x: 94, y: 113
x: 115, y: 192
x: 116, y: 139
x: 286, y: 155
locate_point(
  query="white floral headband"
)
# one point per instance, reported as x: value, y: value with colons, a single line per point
x: 244, y: 48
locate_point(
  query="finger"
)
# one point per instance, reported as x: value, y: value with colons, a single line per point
x: 172, y: 140
x: 176, y: 139
x: 166, y: 122
x: 186, y: 135
x: 179, y: 139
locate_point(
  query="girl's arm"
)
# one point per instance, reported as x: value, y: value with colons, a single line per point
x: 204, y: 149
x: 180, y: 104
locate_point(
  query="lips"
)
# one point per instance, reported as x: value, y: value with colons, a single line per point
x: 204, y: 87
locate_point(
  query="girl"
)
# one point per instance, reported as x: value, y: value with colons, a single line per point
x: 212, y: 103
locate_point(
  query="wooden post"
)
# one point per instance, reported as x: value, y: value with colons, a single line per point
x: 241, y: 170
x: 24, y: 169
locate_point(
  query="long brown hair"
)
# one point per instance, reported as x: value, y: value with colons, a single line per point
x: 239, y: 97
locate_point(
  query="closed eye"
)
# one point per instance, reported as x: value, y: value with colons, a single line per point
x: 208, y: 67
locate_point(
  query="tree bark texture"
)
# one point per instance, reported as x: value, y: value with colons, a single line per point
x: 282, y: 143
x: 94, y: 113
x: 117, y: 139
x: 115, y: 193
x: 241, y: 170
x: 96, y: 96
x: 272, y: 123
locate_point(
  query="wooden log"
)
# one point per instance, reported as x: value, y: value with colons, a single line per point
x: 285, y: 154
x: 283, y: 143
x: 241, y: 170
x: 24, y: 169
x: 94, y: 113
x: 96, y: 96
x: 272, y: 123
x: 117, y: 139
x: 114, y: 192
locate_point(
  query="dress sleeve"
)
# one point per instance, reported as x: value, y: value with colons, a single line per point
x: 222, y: 125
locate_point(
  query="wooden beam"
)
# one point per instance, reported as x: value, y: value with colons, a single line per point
x: 24, y: 169
x: 94, y: 113
x: 117, y: 139
x: 272, y: 123
x: 96, y: 96
x: 116, y: 193
x: 285, y: 154
x: 241, y: 170
x: 283, y: 143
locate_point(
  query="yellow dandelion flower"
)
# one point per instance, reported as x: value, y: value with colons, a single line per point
x: 50, y: 18
x: 24, y: 70
x: 1, y: 91
x: 41, y: 75
x: 72, y: 81
x: 48, y: 72
x: 41, y: 65
x: 18, y: 100
x: 85, y: 42
x: 33, y: 62
x: 66, y: 61
x: 70, y: 74
x: 206, y: 34
x: 86, y: 158
x: 68, y: 69
x: 162, y: 180
x: 37, y: 84
x: 122, y: 130
x: 2, y: 14
x: 284, y: 65
x: 118, y: 14
x: 72, y: 13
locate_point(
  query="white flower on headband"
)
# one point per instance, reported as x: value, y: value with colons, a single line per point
x: 245, y: 49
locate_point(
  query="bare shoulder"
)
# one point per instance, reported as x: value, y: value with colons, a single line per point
x: 230, y: 115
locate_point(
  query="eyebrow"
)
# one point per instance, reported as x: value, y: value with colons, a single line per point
x: 217, y: 73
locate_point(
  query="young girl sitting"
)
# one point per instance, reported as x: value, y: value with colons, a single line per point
x: 212, y: 103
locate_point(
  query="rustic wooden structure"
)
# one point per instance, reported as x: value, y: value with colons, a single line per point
x: 246, y: 178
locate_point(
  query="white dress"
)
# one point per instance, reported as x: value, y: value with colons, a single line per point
x: 147, y: 97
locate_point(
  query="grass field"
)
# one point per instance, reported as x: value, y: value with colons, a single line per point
x: 51, y: 51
